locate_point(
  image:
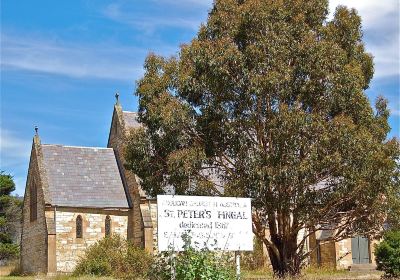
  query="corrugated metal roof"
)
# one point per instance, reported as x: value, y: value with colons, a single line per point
x: 130, y: 119
x: 83, y: 177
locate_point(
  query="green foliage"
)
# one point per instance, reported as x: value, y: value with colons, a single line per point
x: 192, y: 265
x: 8, y: 251
x: 388, y: 254
x: 269, y: 99
x: 7, y: 184
x: 10, y: 216
x: 114, y: 256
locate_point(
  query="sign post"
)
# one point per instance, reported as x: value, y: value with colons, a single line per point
x: 237, y: 257
x: 173, y: 265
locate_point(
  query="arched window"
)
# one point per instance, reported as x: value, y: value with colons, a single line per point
x: 108, y: 226
x: 79, y: 226
x: 33, y: 202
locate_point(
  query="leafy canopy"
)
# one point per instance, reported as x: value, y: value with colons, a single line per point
x: 268, y: 102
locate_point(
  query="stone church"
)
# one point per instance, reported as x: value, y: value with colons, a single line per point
x: 76, y: 196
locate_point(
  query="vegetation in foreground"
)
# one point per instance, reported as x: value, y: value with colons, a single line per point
x: 115, y: 257
x: 262, y: 274
x: 388, y: 254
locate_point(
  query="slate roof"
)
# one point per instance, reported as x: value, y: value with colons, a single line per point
x: 130, y: 119
x: 83, y: 177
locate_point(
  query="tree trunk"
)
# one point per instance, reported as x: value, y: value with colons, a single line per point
x: 286, y: 261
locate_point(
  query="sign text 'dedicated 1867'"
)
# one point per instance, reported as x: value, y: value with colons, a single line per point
x: 216, y: 223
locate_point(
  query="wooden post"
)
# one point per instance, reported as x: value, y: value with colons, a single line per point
x: 237, y: 257
x: 173, y: 271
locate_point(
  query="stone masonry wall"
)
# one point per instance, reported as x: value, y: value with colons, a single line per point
x: 68, y: 247
x: 328, y: 253
x: 117, y: 138
x: 372, y: 250
x: 34, y: 234
x: 153, y: 212
x: 343, y: 253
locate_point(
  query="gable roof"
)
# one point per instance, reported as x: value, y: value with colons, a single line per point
x: 83, y: 177
x: 130, y: 119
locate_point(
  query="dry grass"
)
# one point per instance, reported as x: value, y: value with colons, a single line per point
x: 312, y: 273
x: 261, y: 274
x: 58, y: 277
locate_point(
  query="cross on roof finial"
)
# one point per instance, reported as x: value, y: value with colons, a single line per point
x: 117, y: 97
x: 36, y: 130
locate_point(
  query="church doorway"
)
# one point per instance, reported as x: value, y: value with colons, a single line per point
x: 360, y: 250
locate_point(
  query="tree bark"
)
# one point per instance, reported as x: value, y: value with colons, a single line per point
x: 285, y: 260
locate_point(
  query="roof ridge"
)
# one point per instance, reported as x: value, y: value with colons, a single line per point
x: 78, y: 147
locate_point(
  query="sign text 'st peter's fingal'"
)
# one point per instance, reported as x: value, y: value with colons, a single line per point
x: 216, y: 223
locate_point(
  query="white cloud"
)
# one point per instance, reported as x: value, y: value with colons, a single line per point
x: 103, y: 61
x: 185, y: 3
x: 149, y: 24
x: 395, y: 112
x: 14, y: 157
x: 14, y: 150
x: 380, y: 23
x: 373, y: 12
x: 386, y: 58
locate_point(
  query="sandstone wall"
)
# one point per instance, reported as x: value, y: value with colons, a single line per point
x: 116, y: 140
x: 372, y: 250
x: 343, y: 253
x: 34, y: 234
x: 153, y: 212
x: 68, y: 247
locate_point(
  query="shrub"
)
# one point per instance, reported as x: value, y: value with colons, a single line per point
x: 114, y: 256
x: 388, y: 254
x: 192, y: 265
x: 8, y: 251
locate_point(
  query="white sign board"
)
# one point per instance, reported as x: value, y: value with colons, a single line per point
x: 216, y: 223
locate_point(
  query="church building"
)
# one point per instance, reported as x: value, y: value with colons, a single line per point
x: 75, y: 196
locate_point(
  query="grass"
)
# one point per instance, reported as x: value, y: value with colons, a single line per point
x: 314, y: 273
x: 58, y: 277
x: 310, y: 273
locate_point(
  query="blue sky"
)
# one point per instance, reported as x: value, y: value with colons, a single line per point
x: 62, y: 62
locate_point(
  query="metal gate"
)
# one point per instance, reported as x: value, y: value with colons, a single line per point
x: 360, y: 250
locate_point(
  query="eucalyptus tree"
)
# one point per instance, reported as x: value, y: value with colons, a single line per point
x: 268, y: 101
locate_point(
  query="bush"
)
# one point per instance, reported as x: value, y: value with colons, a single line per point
x: 192, y: 265
x: 114, y: 256
x: 8, y: 251
x: 388, y: 254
